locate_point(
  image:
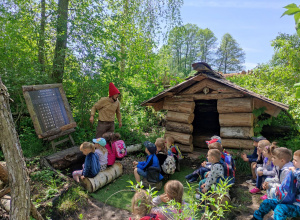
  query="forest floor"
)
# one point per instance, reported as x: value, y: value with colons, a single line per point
x: 243, y: 203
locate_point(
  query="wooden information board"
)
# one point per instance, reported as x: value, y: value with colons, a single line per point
x: 49, y: 110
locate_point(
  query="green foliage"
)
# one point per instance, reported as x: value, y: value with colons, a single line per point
x: 261, y: 120
x: 297, y: 85
x: 293, y: 9
x: 71, y: 200
x: 230, y: 55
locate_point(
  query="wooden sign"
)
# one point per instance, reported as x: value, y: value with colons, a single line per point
x: 49, y: 110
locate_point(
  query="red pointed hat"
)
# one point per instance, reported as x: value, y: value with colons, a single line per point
x: 113, y: 90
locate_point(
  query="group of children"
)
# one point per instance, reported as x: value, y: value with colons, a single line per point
x: 270, y: 166
x: 146, y: 208
x: 99, y: 155
x: 157, y: 155
x: 269, y: 163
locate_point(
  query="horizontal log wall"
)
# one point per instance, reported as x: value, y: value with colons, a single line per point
x: 180, y: 117
x: 186, y: 139
x: 240, y: 105
x: 185, y: 148
x: 237, y: 143
x: 236, y: 132
x: 184, y: 107
x: 179, y: 127
x: 236, y: 120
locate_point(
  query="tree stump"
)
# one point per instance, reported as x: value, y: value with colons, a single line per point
x: 102, y: 178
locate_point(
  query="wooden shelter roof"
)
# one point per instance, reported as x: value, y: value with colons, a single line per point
x: 205, y: 72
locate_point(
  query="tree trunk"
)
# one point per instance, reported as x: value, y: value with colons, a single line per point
x: 41, y: 55
x: 61, y: 41
x: 17, y: 173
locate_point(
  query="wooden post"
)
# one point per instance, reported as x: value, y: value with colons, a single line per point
x: 237, y: 143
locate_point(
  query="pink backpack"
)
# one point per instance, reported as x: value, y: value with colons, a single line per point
x: 120, y: 148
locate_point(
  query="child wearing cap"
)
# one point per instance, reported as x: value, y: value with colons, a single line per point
x: 101, y: 151
x: 214, y: 143
x: 252, y: 158
x: 141, y: 168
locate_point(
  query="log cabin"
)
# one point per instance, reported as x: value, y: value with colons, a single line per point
x: 207, y: 104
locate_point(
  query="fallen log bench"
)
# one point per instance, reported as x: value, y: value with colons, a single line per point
x: 102, y: 178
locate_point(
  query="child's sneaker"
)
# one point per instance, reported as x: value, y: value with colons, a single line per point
x: 264, y: 197
x: 198, y: 196
x: 254, y: 190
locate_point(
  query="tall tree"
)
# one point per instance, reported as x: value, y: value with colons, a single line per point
x: 61, y: 41
x: 41, y: 56
x: 184, y: 44
x: 207, y: 41
x: 18, y: 176
x: 230, y: 56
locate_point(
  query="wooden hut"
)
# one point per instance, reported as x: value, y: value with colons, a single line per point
x: 207, y: 104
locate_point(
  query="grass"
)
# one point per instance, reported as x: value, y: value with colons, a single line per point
x: 118, y: 193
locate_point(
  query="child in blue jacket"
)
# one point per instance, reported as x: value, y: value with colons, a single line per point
x: 141, y: 168
x: 282, y: 211
x: 91, y: 166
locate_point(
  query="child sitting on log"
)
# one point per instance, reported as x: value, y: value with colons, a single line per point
x: 111, y: 155
x: 141, y: 168
x: 91, y: 166
x: 141, y: 206
x: 101, y: 151
x: 173, y: 150
x: 173, y: 190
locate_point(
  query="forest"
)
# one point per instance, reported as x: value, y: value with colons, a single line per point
x: 143, y: 48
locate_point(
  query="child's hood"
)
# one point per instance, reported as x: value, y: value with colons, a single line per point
x: 287, y: 166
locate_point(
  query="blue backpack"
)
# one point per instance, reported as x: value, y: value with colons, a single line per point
x: 229, y: 171
x: 286, y: 192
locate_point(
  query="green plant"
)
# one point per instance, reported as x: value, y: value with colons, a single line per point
x: 71, y: 200
x: 261, y: 120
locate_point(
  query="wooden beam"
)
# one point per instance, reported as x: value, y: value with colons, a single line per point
x: 198, y: 87
x: 180, y: 99
x: 184, y: 107
x: 211, y: 96
x: 179, y: 127
x: 236, y: 132
x: 187, y: 118
x: 185, y: 139
x: 270, y: 109
x: 236, y: 120
x: 158, y: 106
x: 237, y: 143
x: 185, y: 148
x: 199, y: 78
x: 239, y: 105
x: 39, y: 87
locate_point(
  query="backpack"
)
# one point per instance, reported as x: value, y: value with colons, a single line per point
x: 230, y: 161
x: 179, y: 154
x: 151, y: 217
x: 169, y: 165
x: 120, y: 148
x: 229, y: 172
x: 286, y: 192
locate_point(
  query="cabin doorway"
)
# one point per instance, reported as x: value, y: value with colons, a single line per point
x: 206, y: 122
